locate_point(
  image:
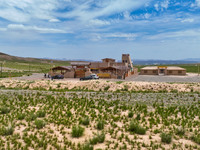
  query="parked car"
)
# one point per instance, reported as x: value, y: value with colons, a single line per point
x: 90, y: 77
x: 57, y: 77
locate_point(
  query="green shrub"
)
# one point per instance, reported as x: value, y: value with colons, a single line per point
x: 196, y: 138
x: 85, y: 121
x: 77, y: 131
x: 4, y: 110
x: 130, y: 114
x: 106, y: 88
x: 41, y: 114
x: 138, y: 117
x: 180, y: 131
x: 40, y: 124
x: 7, y: 130
x: 99, y: 138
x: 32, y: 117
x: 87, y: 146
x: 20, y: 116
x: 166, y: 138
x: 100, y: 125
x: 136, y: 128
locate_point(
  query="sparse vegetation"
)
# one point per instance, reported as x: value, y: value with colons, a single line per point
x: 77, y: 131
x: 166, y: 138
x: 98, y: 120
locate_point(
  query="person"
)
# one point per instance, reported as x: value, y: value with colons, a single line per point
x: 45, y: 75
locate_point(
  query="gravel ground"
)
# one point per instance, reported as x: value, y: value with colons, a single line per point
x: 190, y: 77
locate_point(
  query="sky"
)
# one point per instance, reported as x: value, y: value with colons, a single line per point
x: 95, y: 29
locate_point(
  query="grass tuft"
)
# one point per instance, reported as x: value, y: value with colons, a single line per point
x: 77, y: 131
x: 166, y: 138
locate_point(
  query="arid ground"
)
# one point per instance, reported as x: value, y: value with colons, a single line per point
x: 98, y: 114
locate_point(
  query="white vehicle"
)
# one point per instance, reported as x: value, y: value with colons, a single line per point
x: 90, y: 77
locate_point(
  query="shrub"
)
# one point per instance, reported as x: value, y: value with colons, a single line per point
x: 87, y: 147
x: 4, y: 110
x: 106, y: 88
x: 180, y: 131
x: 39, y: 124
x: 41, y: 114
x: 196, y: 138
x: 130, y: 114
x: 99, y: 138
x: 77, y: 131
x: 166, y: 138
x: 85, y: 121
x: 100, y: 125
x: 20, y: 116
x: 7, y: 130
x: 31, y: 117
x: 138, y: 117
x: 136, y: 128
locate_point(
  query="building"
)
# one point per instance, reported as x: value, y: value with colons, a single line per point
x: 107, y: 68
x: 162, y: 70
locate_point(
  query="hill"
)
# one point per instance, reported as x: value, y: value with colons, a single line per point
x: 18, y: 66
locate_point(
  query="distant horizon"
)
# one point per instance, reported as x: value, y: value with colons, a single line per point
x: 80, y: 59
x: 74, y: 29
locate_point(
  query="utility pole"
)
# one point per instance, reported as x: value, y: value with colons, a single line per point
x: 1, y: 69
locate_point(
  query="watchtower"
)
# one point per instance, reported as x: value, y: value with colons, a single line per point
x: 127, y: 59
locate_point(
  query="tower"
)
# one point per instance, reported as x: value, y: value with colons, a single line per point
x: 127, y: 59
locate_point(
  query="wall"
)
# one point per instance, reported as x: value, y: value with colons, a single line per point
x: 176, y: 72
x: 149, y: 72
x: 69, y: 74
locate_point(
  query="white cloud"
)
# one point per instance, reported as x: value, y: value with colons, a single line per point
x: 25, y: 10
x: 3, y: 29
x: 177, y: 34
x: 165, y: 4
x: 188, y: 20
x: 198, y: 3
x: 54, y: 20
x: 156, y: 6
x: 99, y: 22
x: 20, y: 27
x: 128, y: 36
x: 105, y: 8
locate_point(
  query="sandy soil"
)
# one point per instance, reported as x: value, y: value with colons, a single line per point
x: 100, y: 85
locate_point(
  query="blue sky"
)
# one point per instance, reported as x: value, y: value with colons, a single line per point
x: 94, y: 29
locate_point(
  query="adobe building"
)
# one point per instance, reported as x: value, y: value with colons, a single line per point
x: 162, y: 70
x: 107, y: 68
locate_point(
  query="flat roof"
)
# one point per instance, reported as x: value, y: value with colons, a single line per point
x: 108, y: 59
x: 80, y: 63
x: 61, y: 68
x: 168, y: 68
